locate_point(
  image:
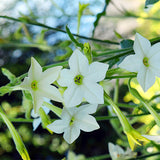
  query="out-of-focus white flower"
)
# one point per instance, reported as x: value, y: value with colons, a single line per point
x: 81, y: 80
x: 155, y: 138
x: 145, y: 61
x: 117, y: 153
x: 74, y: 119
x: 72, y: 156
x: 39, y: 84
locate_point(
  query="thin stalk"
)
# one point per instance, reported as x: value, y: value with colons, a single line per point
x: 101, y: 157
x: 31, y: 22
x: 124, y: 122
x: 116, y: 91
x: 126, y: 105
x: 112, y: 51
x: 133, y: 16
x: 145, y: 156
x: 116, y: 56
x: 19, y: 120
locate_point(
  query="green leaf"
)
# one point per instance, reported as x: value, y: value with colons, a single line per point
x: 99, y: 15
x: 65, y: 56
x: 150, y: 2
x: 82, y: 7
x: 5, y: 89
x: 56, y: 110
x: 9, y: 75
x: 77, y: 44
x: 27, y: 103
x: 16, y: 137
x: 126, y: 43
x: 118, y: 35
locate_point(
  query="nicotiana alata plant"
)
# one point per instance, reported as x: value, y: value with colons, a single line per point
x: 75, y: 89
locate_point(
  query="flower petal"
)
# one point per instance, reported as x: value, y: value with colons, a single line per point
x: 88, y: 108
x: 141, y: 45
x: 97, y: 71
x: 26, y: 84
x: 93, y: 92
x: 71, y: 134
x: 146, y: 78
x: 67, y: 114
x: 50, y: 92
x: 86, y: 122
x: 78, y: 63
x: 34, y: 115
x: 66, y: 78
x: 46, y: 110
x: 113, y: 151
x: 50, y: 75
x: 154, y: 63
x: 58, y: 126
x: 154, y: 50
x: 35, y: 70
x: 36, y: 123
x: 73, y: 95
x: 37, y: 101
x: 132, y: 63
x: 152, y: 138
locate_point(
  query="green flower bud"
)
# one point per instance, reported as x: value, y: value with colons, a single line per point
x: 87, y: 52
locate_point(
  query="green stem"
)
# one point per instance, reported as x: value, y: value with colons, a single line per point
x: 16, y: 137
x: 116, y: 56
x: 126, y: 105
x: 145, y: 156
x: 104, y: 118
x: 124, y: 122
x: 31, y: 22
x: 133, y: 16
x: 113, y: 51
x: 101, y: 157
x: 20, y: 120
x: 116, y: 91
x: 152, y: 111
x: 22, y: 45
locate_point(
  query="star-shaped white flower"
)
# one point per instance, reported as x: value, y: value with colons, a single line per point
x: 145, y: 61
x: 81, y: 80
x: 39, y: 84
x: 117, y: 153
x: 73, y: 120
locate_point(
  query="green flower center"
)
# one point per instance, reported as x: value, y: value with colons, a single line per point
x: 34, y: 85
x: 72, y: 121
x: 78, y: 79
x: 145, y: 61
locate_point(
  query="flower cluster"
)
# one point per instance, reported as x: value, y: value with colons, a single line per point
x: 81, y: 81
x: 82, y: 91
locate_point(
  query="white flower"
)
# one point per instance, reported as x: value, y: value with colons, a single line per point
x: 39, y: 84
x: 117, y: 153
x: 73, y: 120
x: 145, y: 61
x: 37, y: 119
x: 72, y: 156
x: 155, y: 138
x: 81, y: 80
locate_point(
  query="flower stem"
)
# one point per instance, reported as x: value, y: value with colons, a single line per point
x: 124, y: 122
